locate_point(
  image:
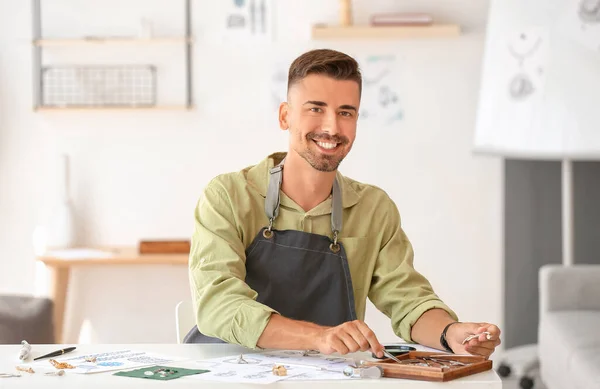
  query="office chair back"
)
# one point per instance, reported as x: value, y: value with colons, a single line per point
x: 184, y: 319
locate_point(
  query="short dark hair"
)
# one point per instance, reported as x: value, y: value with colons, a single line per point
x: 327, y: 62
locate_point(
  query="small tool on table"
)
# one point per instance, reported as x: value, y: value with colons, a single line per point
x: 372, y: 372
x: 395, y: 350
x: 56, y: 353
x: 488, y: 336
x: 387, y: 353
x: 9, y: 375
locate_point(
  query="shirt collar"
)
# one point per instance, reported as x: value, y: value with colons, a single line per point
x: 258, y: 178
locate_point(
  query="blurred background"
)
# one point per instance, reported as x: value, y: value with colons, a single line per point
x: 115, y: 114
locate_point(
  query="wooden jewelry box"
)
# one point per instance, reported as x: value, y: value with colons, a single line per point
x: 428, y: 366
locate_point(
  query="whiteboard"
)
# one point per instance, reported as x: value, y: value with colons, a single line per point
x: 540, y: 86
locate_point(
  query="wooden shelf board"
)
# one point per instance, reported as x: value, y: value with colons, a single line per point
x: 385, y: 32
x: 109, y: 41
x: 118, y: 256
x: 92, y: 109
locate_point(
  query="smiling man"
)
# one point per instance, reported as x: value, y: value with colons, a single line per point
x: 286, y: 252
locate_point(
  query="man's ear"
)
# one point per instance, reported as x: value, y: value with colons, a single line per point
x: 284, y: 110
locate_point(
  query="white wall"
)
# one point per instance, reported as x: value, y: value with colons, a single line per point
x: 137, y: 175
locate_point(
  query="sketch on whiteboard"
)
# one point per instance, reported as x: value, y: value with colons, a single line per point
x: 248, y: 19
x: 380, y: 100
x: 589, y: 11
x: 528, y: 53
x: 523, y: 48
x: 581, y: 22
x: 516, y: 83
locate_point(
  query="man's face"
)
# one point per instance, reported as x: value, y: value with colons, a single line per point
x: 321, y: 114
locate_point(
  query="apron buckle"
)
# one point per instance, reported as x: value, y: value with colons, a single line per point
x: 335, y: 247
x: 268, y: 233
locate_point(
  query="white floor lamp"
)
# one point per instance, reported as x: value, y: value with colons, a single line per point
x: 540, y: 79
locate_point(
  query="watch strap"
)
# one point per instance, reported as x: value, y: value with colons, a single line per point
x: 444, y: 341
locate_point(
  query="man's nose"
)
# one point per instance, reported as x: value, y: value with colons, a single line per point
x: 330, y: 124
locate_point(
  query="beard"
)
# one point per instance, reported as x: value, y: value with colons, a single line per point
x: 324, y: 162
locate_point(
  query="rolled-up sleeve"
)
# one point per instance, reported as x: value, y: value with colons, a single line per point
x: 224, y: 304
x: 397, y: 289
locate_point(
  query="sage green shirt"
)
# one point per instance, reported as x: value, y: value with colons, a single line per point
x: 229, y: 215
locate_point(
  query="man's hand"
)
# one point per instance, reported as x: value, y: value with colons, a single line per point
x: 481, y: 345
x: 347, y: 338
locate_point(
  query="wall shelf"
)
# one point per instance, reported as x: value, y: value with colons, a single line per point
x: 323, y: 32
x: 54, y: 42
x: 39, y: 43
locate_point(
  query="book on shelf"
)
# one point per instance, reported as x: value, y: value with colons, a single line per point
x: 401, y: 19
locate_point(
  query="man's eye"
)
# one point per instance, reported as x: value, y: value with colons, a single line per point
x: 316, y: 109
x: 346, y: 114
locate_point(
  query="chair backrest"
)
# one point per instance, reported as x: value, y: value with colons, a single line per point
x: 24, y: 317
x: 184, y: 319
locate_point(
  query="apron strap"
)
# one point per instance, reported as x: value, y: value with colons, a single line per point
x: 336, y: 210
x: 272, y: 200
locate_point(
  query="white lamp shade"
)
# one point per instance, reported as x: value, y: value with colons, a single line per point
x: 540, y: 88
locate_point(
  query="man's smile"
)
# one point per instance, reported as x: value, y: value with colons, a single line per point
x: 326, y: 146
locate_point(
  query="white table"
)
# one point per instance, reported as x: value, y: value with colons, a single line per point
x: 9, y: 353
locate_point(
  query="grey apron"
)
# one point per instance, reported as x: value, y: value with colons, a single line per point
x: 301, y: 275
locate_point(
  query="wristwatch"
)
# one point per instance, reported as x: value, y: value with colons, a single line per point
x: 443, y: 340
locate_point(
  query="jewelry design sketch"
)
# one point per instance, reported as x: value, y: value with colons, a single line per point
x: 521, y: 85
x: 589, y: 11
x: 521, y: 57
x: 242, y: 361
x: 230, y: 373
x: 260, y: 375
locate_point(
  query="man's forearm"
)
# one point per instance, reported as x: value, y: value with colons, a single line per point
x: 288, y: 334
x: 428, y: 329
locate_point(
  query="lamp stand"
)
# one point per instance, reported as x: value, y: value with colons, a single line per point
x: 567, y: 212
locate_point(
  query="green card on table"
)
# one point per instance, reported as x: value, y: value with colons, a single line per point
x: 160, y: 372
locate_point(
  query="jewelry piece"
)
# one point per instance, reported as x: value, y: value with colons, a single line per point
x: 148, y: 373
x: 25, y: 350
x: 25, y: 369
x: 56, y: 373
x: 61, y: 365
x: 415, y: 361
x: 279, y: 370
x: 443, y: 365
x: 488, y: 336
x: 240, y: 360
x: 446, y: 361
x: 90, y: 359
x: 163, y: 372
